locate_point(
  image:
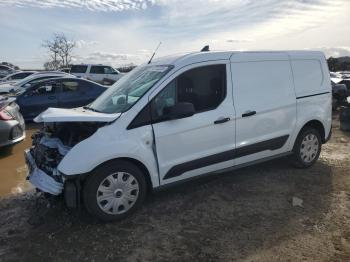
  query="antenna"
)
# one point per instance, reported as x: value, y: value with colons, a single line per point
x: 154, y: 52
x: 205, y: 49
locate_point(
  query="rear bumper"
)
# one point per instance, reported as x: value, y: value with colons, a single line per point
x: 39, y: 179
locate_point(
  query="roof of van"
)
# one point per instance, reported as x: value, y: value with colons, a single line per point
x: 235, y: 56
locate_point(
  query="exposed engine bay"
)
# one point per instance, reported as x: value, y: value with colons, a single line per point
x: 50, y: 144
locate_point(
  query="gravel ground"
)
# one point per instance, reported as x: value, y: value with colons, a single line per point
x: 245, y: 215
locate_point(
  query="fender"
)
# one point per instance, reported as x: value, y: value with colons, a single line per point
x: 108, y: 143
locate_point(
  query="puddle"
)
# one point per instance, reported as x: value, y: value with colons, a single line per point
x: 13, y: 170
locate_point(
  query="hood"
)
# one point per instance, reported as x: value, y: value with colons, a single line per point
x: 74, y: 115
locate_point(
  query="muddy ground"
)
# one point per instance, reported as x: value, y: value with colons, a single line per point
x: 245, y: 215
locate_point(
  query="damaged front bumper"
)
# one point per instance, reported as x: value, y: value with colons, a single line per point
x: 40, y: 179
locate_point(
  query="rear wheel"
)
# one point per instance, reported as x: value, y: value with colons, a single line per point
x: 307, y: 148
x: 114, y: 190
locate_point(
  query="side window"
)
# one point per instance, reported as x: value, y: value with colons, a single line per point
x: 37, y: 80
x: 204, y: 87
x: 109, y: 70
x: 44, y: 88
x: 97, y: 70
x: 163, y: 101
x: 70, y: 86
x: 78, y: 69
x: 19, y: 76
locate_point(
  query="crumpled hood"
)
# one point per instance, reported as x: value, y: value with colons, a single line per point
x: 74, y: 115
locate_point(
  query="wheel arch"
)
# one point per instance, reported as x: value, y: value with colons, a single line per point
x: 318, y: 125
x: 135, y: 162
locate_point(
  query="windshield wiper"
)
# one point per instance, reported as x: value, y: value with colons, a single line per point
x: 91, y: 109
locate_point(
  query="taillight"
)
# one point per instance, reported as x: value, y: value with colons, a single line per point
x: 4, y: 115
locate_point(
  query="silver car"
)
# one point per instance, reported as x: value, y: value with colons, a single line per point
x: 12, y: 127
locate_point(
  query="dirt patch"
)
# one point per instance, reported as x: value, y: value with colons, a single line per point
x: 245, y: 215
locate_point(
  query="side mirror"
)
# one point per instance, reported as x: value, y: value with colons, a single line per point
x: 181, y: 110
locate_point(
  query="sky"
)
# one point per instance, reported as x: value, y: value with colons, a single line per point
x: 120, y: 32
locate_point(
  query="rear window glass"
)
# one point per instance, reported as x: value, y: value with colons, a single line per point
x: 78, y: 69
x: 70, y: 86
x: 308, y: 76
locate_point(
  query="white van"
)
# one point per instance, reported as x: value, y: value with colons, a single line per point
x: 182, y: 117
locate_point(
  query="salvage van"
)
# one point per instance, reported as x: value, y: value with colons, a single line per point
x: 181, y: 117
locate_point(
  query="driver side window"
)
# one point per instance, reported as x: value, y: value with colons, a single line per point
x: 43, y: 89
x: 204, y: 87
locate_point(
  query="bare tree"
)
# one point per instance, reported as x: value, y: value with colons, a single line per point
x: 60, y: 49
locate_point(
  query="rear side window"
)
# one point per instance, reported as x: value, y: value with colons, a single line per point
x: 204, y: 87
x: 79, y: 69
x: 109, y: 70
x: 70, y: 86
x: 97, y: 70
x: 308, y: 76
x: 20, y: 75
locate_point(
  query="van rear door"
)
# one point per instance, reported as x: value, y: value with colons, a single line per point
x: 265, y: 104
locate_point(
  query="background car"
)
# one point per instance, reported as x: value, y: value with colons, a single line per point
x: 98, y: 73
x: 12, y: 127
x: 17, y: 76
x: 6, y: 70
x: 66, y: 70
x: 60, y: 93
x: 29, y: 81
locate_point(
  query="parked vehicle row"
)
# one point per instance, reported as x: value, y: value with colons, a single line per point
x: 6, y: 70
x: 27, y: 82
x: 181, y: 117
x: 14, y: 77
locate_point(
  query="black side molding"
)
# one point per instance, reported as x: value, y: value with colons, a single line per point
x: 271, y: 144
x: 299, y: 97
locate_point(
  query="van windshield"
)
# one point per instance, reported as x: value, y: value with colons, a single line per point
x: 129, y: 89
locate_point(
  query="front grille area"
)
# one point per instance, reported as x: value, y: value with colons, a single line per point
x: 47, y: 159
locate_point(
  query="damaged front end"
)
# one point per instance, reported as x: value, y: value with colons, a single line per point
x: 50, y: 146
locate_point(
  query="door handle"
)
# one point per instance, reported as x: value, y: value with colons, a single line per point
x: 249, y: 113
x: 221, y: 120
x: 51, y: 97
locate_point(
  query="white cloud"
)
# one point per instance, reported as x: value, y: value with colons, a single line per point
x: 83, y: 43
x: 93, y: 5
x: 181, y: 25
x: 110, y: 58
x: 335, y: 51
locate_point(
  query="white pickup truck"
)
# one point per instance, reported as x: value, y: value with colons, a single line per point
x: 102, y: 74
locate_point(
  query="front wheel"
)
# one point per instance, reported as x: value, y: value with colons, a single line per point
x: 307, y: 148
x: 114, y: 190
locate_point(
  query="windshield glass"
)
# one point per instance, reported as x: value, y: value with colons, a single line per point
x: 129, y: 89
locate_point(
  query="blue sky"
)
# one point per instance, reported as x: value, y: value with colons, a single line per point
x: 119, y: 32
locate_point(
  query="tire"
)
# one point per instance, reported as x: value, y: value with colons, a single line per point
x: 114, y: 191
x: 307, y: 147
